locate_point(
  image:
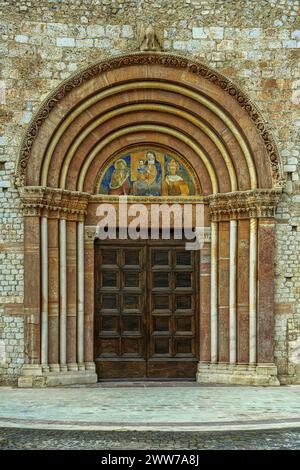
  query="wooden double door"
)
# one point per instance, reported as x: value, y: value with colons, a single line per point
x: 146, y: 310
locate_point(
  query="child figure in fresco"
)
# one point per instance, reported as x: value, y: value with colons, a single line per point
x: 141, y: 167
x: 141, y: 185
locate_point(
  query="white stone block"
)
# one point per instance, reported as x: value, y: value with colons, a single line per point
x: 216, y: 32
x: 2, y: 352
x: 180, y: 45
x: 113, y: 31
x: 296, y: 34
x: 290, y: 168
x: 199, y: 33
x: 289, y: 44
x: 26, y: 117
x: 103, y: 43
x: 65, y: 42
x: 95, y: 31
x: 255, y: 32
x: 23, y: 38
x: 84, y: 42
x: 127, y: 31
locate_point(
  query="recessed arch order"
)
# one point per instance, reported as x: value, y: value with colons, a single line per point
x: 89, y: 143
x: 144, y: 92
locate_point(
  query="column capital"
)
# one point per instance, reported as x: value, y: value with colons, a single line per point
x: 90, y: 233
x: 54, y: 203
x: 243, y: 204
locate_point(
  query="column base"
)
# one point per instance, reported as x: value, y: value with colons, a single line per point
x: 237, y: 374
x: 34, y: 377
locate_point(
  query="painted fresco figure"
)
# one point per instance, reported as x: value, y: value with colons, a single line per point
x: 173, y: 184
x: 140, y: 187
x: 119, y: 184
x: 153, y: 174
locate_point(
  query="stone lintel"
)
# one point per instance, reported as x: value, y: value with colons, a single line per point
x: 237, y: 374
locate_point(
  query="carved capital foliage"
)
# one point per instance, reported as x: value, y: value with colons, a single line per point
x: 90, y: 233
x: 149, y: 58
x: 53, y: 203
x: 243, y: 204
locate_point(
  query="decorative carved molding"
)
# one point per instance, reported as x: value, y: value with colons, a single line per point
x: 108, y: 198
x: 145, y: 58
x: 243, y: 204
x: 53, y: 203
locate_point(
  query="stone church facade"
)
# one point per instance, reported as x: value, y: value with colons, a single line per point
x: 89, y: 93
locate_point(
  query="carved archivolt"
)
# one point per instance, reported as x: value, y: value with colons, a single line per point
x: 161, y: 59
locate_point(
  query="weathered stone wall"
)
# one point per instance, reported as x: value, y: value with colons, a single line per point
x: 252, y: 42
x: 11, y: 347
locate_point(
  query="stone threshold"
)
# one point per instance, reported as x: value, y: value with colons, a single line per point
x: 238, y: 374
x: 33, y: 376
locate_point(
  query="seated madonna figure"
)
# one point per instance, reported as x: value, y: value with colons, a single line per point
x: 173, y: 184
x: 153, y: 174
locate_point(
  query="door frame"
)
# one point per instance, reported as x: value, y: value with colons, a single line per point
x: 148, y: 244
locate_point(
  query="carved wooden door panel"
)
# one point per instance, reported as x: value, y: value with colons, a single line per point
x: 146, y: 310
x: 120, y: 320
x: 172, y: 300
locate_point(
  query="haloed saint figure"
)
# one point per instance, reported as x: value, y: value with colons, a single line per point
x: 174, y: 184
x: 119, y: 183
x: 147, y: 172
x: 148, y: 181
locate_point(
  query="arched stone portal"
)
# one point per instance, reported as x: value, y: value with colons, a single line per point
x: 182, y: 108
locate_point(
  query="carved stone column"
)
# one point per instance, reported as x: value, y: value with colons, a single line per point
x: 205, y: 262
x: 32, y: 288
x: 80, y: 294
x: 214, y: 293
x: 89, y: 299
x: 32, y: 299
x: 44, y: 293
x: 63, y: 293
x: 71, y: 295
x: 232, y: 290
x: 245, y: 223
x: 243, y: 291
x: 48, y: 290
x: 265, y: 293
x: 53, y: 292
x: 223, y: 292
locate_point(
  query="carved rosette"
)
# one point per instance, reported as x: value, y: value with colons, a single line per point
x: 243, y: 205
x: 54, y: 203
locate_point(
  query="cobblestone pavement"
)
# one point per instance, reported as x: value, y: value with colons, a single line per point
x: 140, y: 406
x: 21, y: 439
